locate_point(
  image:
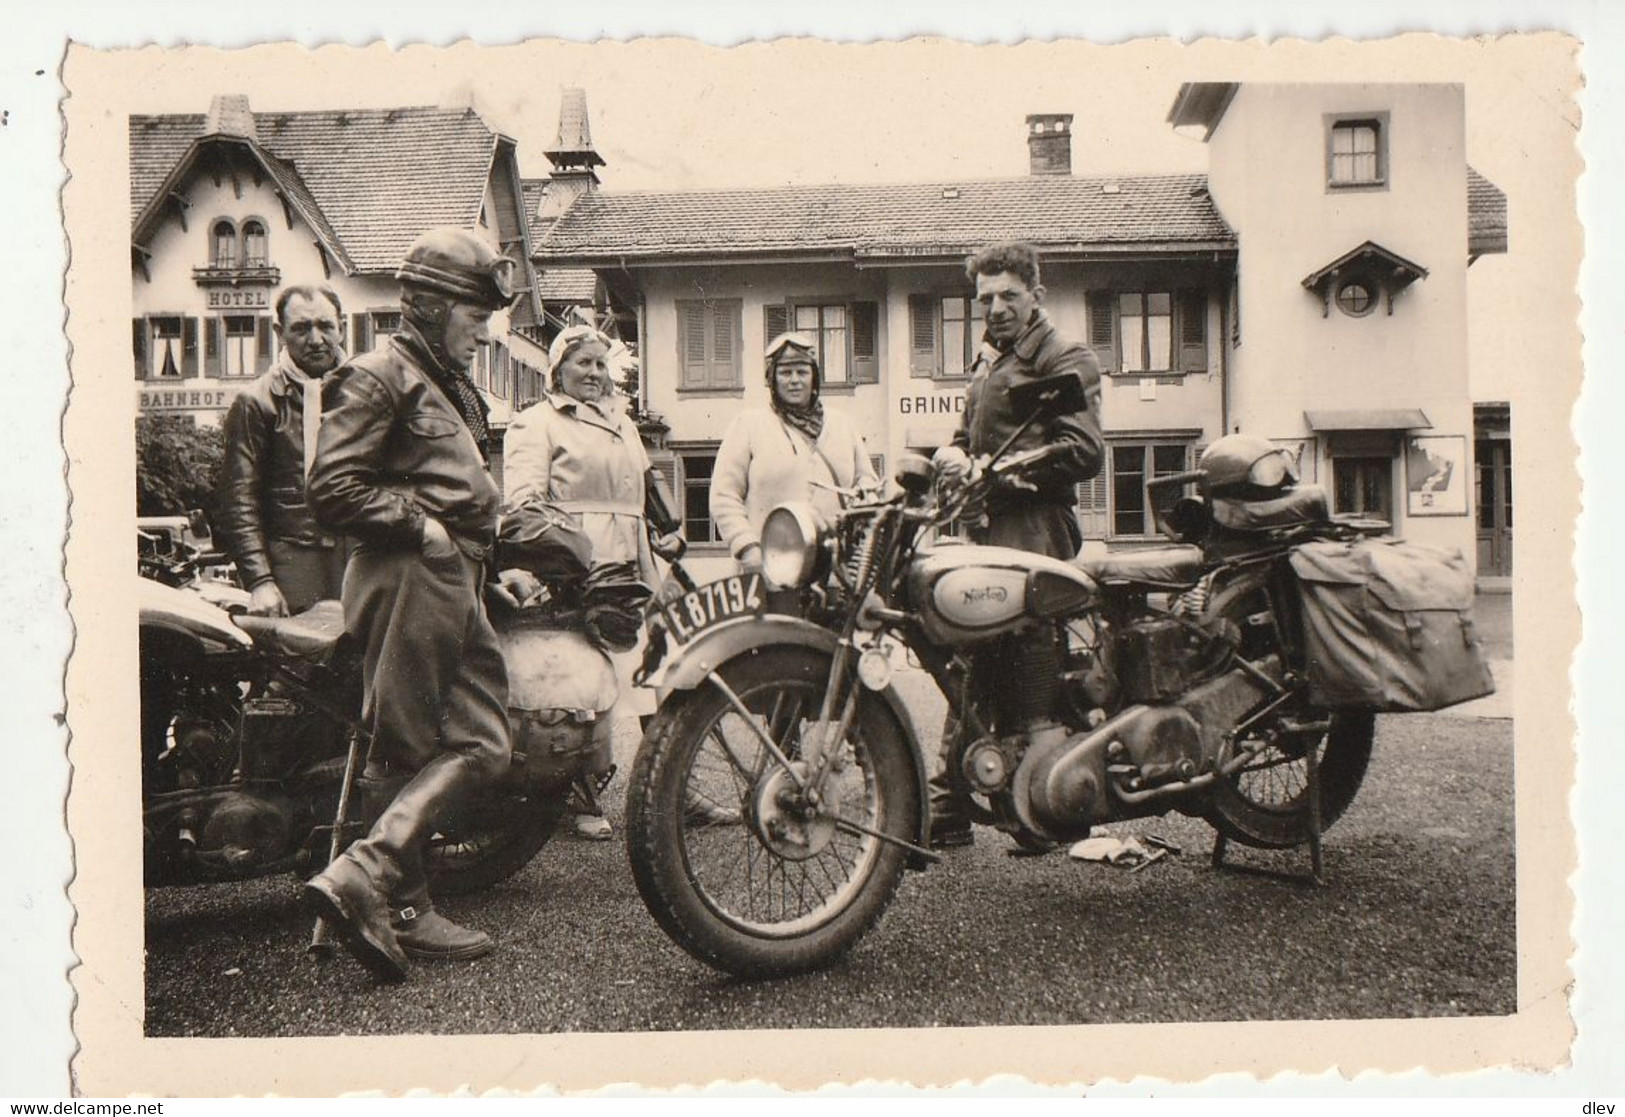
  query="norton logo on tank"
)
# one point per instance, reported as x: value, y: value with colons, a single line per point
x: 980, y: 596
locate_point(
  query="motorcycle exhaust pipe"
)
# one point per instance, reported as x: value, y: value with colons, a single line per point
x: 1060, y: 786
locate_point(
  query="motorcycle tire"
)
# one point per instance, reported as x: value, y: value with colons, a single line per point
x: 490, y: 842
x: 1264, y: 804
x: 709, y: 867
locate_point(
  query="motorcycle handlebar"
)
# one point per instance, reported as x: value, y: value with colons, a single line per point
x: 1172, y: 480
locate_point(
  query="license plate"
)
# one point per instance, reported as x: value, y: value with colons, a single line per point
x: 709, y: 605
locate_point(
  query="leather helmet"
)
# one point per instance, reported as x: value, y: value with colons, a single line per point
x: 1239, y: 463
x: 460, y: 265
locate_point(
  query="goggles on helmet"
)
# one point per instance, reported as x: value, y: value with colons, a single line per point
x: 787, y: 342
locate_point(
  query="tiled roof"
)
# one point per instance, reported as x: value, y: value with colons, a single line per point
x: 1056, y: 212
x: 1486, y: 215
x: 376, y: 177
x: 568, y: 285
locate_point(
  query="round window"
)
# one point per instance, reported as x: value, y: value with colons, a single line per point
x: 1355, y: 299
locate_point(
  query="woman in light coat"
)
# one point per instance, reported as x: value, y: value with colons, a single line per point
x: 579, y: 450
x: 793, y: 449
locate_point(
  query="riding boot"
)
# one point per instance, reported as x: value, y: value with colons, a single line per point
x: 353, y: 892
x: 950, y: 810
x: 422, y: 932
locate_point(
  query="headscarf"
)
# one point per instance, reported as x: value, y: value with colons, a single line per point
x: 568, y: 341
x: 809, y: 419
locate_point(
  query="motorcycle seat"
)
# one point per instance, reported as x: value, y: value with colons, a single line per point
x: 1163, y: 567
x: 311, y: 633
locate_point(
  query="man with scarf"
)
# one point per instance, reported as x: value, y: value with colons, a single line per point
x: 285, y: 560
x: 1039, y: 514
x: 401, y: 468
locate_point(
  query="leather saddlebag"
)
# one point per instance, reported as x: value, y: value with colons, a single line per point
x: 1388, y: 626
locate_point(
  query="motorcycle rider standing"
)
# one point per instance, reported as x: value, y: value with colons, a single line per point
x: 1020, y: 345
x: 401, y: 468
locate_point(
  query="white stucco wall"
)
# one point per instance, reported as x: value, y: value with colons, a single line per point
x: 1268, y: 177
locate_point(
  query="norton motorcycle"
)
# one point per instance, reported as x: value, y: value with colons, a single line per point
x: 1085, y: 692
x: 251, y: 745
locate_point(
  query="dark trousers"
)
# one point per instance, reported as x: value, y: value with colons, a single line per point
x: 433, y: 675
x: 1049, y: 529
x: 306, y: 575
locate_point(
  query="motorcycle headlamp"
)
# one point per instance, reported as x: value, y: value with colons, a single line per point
x: 790, y: 546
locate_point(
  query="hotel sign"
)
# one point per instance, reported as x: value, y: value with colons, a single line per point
x: 224, y: 298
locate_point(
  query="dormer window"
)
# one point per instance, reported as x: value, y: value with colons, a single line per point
x: 1357, y: 151
x: 223, y: 245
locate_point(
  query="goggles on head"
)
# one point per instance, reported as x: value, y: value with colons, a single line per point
x: 792, y: 343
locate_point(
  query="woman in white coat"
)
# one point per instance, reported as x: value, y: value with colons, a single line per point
x: 793, y: 449
x: 579, y: 450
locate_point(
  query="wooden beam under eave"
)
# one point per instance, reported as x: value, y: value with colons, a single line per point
x: 287, y: 206
x: 327, y: 264
x: 182, y: 204
x: 141, y: 257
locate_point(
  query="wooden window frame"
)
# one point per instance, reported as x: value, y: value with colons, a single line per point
x: 1148, y: 444
x: 1189, y: 350
x: 861, y: 369
x: 934, y: 366
x: 1343, y: 121
x: 677, y: 453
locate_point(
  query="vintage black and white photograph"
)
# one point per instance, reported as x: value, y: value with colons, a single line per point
x: 873, y: 540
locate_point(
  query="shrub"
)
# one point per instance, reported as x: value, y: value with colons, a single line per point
x: 177, y: 463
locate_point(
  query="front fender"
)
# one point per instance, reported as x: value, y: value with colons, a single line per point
x: 732, y: 639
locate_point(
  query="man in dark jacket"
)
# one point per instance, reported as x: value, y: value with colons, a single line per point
x: 285, y: 560
x: 401, y: 469
x: 1038, y: 515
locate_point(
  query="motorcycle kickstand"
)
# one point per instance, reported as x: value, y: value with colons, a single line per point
x: 1317, y: 874
x: 321, y: 935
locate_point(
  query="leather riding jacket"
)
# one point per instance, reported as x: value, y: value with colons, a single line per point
x: 1039, y: 351
x: 394, y: 449
x: 262, y: 477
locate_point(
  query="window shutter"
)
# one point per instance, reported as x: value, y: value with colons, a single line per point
x: 725, y: 344
x: 1092, y: 506
x: 865, y: 318
x: 139, y: 336
x: 923, y: 336
x: 360, y: 333
x: 188, y: 347
x: 775, y: 321
x: 212, y: 345
x: 262, y: 343
x: 691, y: 347
x: 1193, y: 330
x: 1103, y: 329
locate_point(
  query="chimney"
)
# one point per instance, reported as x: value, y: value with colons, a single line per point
x: 1049, y: 143
x: 572, y: 155
x: 229, y: 115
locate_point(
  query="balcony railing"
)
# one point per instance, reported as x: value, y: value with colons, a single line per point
x: 233, y: 274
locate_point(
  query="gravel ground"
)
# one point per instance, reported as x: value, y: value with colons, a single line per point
x: 1417, y: 920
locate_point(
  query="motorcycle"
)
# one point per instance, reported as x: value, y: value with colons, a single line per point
x: 1086, y: 692
x: 251, y: 744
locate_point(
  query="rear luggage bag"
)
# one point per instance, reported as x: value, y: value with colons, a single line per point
x: 1388, y: 626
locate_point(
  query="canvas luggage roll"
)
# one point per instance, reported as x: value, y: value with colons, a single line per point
x: 1388, y: 626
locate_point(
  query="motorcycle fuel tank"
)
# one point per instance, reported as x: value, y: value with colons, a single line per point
x: 186, y: 611
x: 965, y: 594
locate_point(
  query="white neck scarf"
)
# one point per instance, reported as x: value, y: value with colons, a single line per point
x: 311, y: 386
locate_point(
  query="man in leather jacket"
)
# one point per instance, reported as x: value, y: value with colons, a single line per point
x: 401, y: 469
x: 1039, y: 514
x: 284, y: 559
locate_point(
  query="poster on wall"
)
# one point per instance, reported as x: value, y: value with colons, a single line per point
x: 1436, y: 475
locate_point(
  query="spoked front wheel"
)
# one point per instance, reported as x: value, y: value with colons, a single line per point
x: 731, y: 857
